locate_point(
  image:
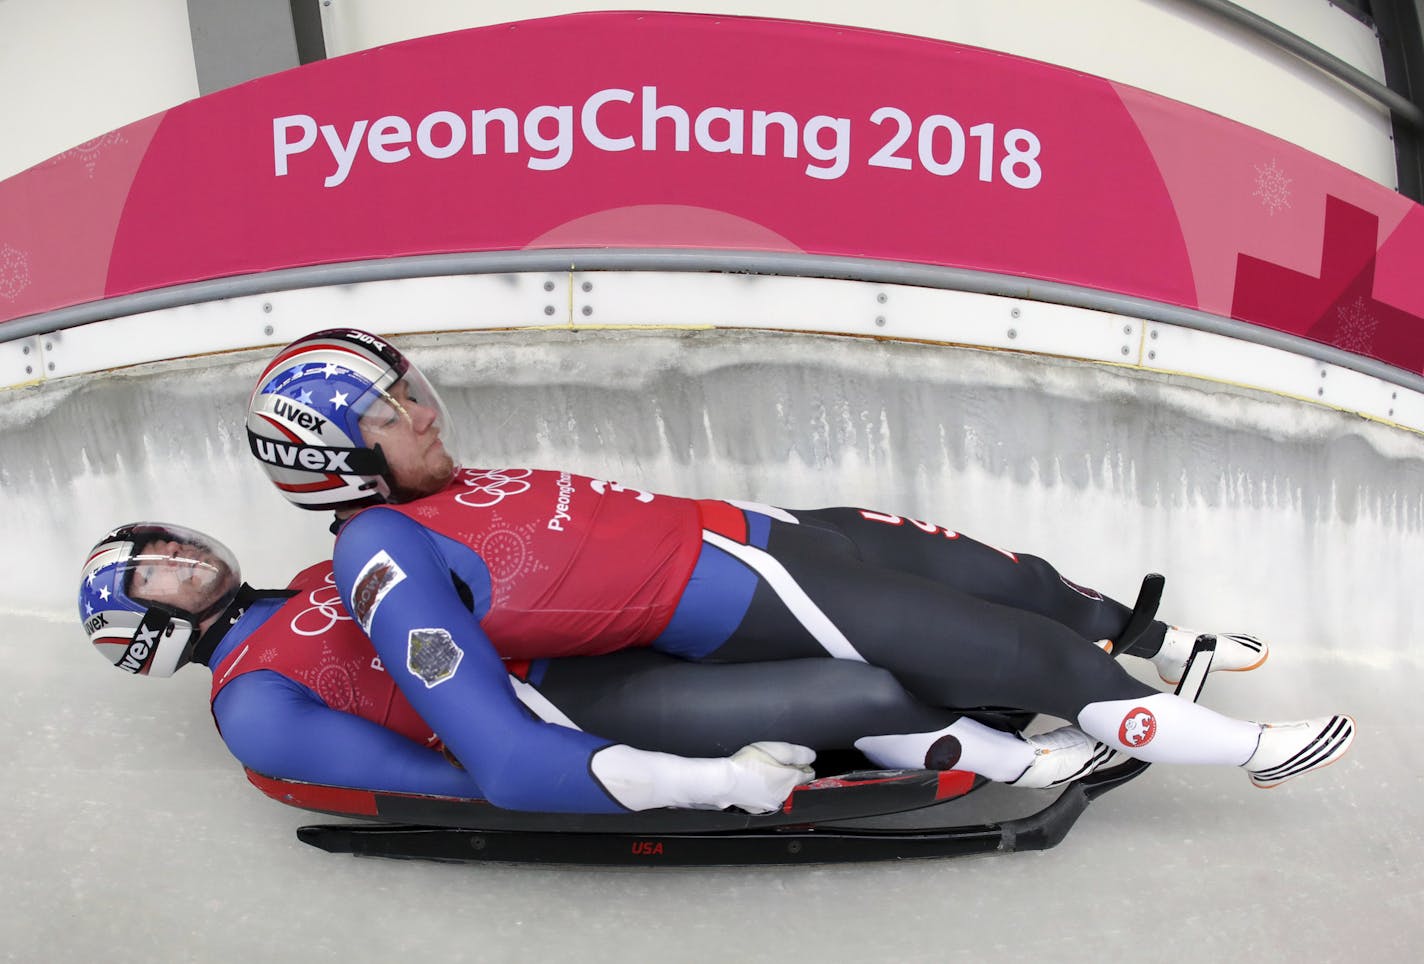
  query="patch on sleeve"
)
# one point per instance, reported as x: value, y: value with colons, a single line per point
x: 432, y: 655
x: 379, y: 576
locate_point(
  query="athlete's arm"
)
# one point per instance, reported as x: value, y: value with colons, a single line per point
x: 395, y: 577
x: 280, y: 728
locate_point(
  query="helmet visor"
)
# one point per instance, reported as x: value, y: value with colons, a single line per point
x: 406, y: 423
x: 179, y: 569
x: 409, y: 404
x: 146, y: 588
x: 180, y: 572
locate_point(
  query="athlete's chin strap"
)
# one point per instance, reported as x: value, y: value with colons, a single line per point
x: 207, y: 643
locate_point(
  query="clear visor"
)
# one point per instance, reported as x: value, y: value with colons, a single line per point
x: 409, y: 407
x: 181, y: 570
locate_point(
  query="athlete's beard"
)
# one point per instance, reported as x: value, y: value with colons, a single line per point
x: 429, y: 482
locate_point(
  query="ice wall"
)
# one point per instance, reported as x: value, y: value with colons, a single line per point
x: 1262, y: 511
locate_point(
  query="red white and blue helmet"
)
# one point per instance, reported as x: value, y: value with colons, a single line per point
x: 146, y: 589
x: 303, y: 419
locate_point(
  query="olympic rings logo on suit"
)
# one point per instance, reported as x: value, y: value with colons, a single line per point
x: 486, y: 489
x: 325, y: 602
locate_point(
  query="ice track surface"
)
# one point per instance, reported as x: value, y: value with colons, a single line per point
x: 130, y: 835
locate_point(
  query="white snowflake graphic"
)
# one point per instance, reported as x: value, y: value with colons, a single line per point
x: 14, y: 272
x: 336, y: 681
x: 1357, y: 326
x: 1272, y: 187
x: 427, y: 511
x: 89, y: 152
x: 508, y: 551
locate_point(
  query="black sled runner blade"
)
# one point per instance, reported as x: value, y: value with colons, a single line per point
x: 798, y: 834
x: 774, y: 846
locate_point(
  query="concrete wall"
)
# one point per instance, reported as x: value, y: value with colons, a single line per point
x: 77, y: 69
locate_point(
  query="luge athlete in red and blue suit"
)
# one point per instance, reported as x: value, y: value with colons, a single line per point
x: 299, y: 692
x: 448, y: 570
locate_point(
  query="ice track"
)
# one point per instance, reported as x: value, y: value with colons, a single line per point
x: 130, y: 835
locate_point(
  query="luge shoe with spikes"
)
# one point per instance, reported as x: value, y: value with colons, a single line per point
x: 1062, y: 756
x: 1235, y: 653
x: 1288, y: 750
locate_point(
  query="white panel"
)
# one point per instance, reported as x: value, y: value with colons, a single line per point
x: 1171, y: 48
x: 71, y: 70
x: 1405, y: 407
x: 20, y: 361
x: 656, y: 299
x: 423, y: 304
x: 1218, y: 358
x: 1328, y: 27
x: 993, y: 322
x: 391, y: 307
x: 648, y: 299
x: 109, y: 64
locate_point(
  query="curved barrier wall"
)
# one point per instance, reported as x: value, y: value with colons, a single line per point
x: 592, y: 301
x: 722, y: 135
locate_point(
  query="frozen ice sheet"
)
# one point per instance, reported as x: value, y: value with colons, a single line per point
x: 130, y: 835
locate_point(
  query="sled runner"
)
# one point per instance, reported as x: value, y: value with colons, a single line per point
x: 811, y: 827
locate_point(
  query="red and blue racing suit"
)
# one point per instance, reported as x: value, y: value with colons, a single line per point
x: 527, y: 563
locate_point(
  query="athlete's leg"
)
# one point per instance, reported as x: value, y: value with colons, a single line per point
x: 658, y: 702
x: 813, y: 595
x: 1022, y: 581
x: 959, y: 562
x: 952, y: 649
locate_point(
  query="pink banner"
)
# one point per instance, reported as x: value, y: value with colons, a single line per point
x: 688, y: 131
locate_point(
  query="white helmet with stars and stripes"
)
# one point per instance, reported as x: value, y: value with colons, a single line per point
x: 305, y: 416
x: 147, y: 589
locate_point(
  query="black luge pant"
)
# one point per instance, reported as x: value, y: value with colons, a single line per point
x: 960, y: 624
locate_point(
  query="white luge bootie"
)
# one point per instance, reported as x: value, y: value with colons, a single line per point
x: 1235, y: 653
x: 1061, y: 756
x: 1288, y: 750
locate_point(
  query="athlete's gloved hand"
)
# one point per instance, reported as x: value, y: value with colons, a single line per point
x: 757, y: 778
x: 764, y: 774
